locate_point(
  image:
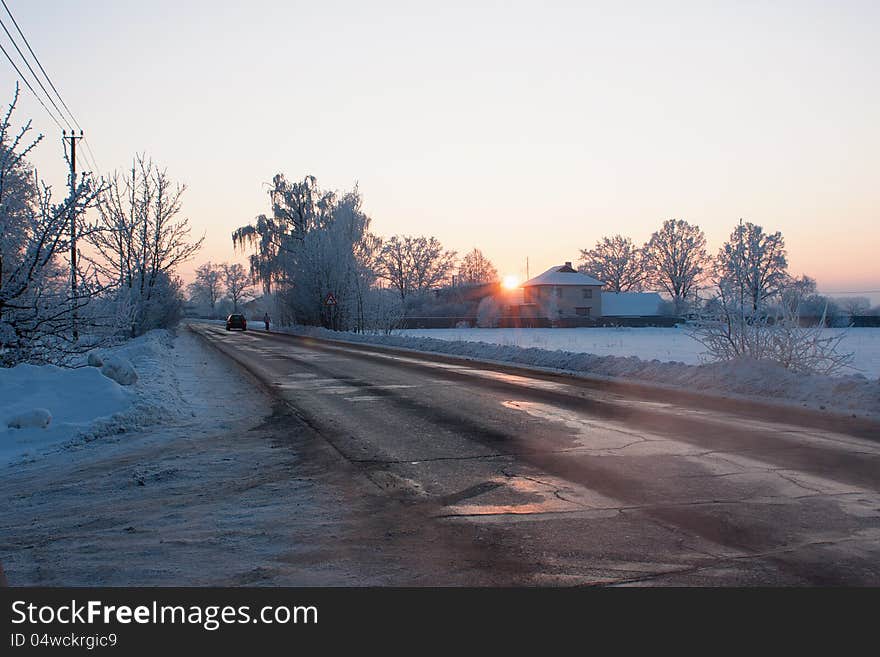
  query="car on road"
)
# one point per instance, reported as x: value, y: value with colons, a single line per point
x: 236, y: 321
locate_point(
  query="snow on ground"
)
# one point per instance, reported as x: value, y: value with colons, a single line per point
x: 664, y: 344
x: 218, y: 491
x: 85, y: 403
x: 853, y: 393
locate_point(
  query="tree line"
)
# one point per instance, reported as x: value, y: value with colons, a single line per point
x: 316, y: 243
x: 751, y: 267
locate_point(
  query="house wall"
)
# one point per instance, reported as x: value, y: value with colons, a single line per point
x: 562, y: 301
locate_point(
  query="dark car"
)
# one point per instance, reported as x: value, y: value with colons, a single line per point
x: 236, y: 321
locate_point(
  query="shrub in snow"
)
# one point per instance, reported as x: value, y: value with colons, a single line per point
x: 38, y: 417
x: 95, y: 360
x: 120, y: 370
x: 742, y: 332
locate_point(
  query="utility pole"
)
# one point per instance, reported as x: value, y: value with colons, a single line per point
x: 71, y: 210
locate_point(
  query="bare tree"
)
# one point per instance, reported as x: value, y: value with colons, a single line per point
x: 675, y: 259
x: 37, y: 305
x: 208, y: 286
x: 476, y: 269
x: 753, y: 264
x: 143, y: 238
x: 615, y: 261
x: 415, y: 264
x: 237, y: 283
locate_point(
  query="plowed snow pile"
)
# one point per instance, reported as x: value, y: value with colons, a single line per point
x: 83, y: 403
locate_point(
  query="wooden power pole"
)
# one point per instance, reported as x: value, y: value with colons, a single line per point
x: 72, y: 215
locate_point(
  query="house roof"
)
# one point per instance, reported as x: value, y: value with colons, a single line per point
x: 630, y: 304
x: 562, y: 275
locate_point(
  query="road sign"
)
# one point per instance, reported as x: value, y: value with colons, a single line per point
x: 330, y: 300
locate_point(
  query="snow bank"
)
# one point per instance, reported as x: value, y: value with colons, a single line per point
x: 767, y: 381
x: 647, y: 343
x: 46, y: 405
x: 85, y: 403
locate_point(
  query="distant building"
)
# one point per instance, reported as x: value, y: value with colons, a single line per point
x: 631, y: 304
x: 561, y: 293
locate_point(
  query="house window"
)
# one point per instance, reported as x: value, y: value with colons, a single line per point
x: 528, y: 295
x: 582, y: 312
x: 558, y: 292
x: 588, y: 293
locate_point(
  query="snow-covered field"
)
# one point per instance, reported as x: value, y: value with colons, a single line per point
x: 854, y: 393
x: 663, y: 344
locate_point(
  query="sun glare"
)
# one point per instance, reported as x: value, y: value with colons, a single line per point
x: 510, y: 281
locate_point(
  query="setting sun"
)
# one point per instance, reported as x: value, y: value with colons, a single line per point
x: 510, y: 281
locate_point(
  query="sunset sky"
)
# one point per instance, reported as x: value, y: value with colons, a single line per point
x: 524, y: 129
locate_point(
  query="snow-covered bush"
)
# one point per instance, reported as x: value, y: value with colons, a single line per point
x: 161, y: 306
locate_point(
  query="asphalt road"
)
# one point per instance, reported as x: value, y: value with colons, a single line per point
x: 578, y: 483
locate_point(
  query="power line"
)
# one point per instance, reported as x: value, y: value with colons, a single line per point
x: 90, y: 159
x: 94, y: 160
x: 37, y: 60
x: 24, y: 79
x: 36, y: 77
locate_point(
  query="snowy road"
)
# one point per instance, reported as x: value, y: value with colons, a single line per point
x: 562, y: 482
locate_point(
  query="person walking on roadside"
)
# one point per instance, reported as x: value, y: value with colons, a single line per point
x: 266, y: 320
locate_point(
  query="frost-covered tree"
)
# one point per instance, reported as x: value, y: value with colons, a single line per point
x: 297, y: 209
x: 415, y: 264
x: 676, y: 259
x: 316, y: 244
x: 38, y: 308
x: 143, y: 238
x: 208, y: 286
x: 615, y: 261
x: 264, y: 237
x: 237, y: 282
x: 753, y: 264
x: 476, y: 269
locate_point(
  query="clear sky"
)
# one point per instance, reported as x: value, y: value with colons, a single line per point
x: 525, y: 129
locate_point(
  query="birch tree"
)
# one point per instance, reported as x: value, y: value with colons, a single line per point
x: 316, y: 243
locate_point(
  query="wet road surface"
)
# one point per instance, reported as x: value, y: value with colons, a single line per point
x: 581, y: 485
